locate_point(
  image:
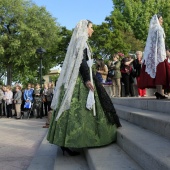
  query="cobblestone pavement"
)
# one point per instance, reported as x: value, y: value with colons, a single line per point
x: 19, y: 141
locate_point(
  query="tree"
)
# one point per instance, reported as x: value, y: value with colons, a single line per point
x: 114, y: 35
x: 24, y: 27
x: 137, y: 14
x: 126, y: 29
x: 62, y: 46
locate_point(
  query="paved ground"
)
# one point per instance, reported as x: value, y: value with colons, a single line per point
x: 19, y: 141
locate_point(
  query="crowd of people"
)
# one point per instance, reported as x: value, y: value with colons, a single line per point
x: 121, y: 73
x: 125, y: 72
x: 34, y: 101
x: 149, y: 69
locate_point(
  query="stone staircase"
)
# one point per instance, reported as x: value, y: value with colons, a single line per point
x: 146, y: 131
x: 143, y: 141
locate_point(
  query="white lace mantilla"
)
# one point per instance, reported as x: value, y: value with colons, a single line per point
x: 154, y: 52
x: 70, y: 68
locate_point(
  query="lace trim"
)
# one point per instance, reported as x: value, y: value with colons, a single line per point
x: 154, y: 52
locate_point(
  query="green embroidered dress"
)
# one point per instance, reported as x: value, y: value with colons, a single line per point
x: 77, y: 127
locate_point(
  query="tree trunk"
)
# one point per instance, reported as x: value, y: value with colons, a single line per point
x: 9, y: 74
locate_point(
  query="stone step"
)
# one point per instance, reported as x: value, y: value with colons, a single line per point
x: 66, y: 162
x: 50, y: 157
x: 110, y: 157
x: 145, y: 103
x: 149, y: 150
x: 45, y: 157
x: 154, y: 121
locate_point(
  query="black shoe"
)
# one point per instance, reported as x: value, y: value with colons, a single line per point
x: 160, y: 96
x: 17, y: 118
x: 69, y: 152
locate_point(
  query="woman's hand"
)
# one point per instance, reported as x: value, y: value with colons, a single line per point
x: 89, y: 85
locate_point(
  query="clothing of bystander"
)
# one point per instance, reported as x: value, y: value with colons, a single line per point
x: 8, y: 97
x: 137, y: 64
x: 28, y: 99
x: 116, y: 83
x: 45, y: 90
x: 4, y: 102
x: 102, y: 70
x: 1, y: 97
x: 48, y: 119
x: 47, y: 97
x: 127, y: 77
x: 37, y: 101
x: 18, y: 101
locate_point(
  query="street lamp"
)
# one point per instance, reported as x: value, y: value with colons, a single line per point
x: 40, y: 51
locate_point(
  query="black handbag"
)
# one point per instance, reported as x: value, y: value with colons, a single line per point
x: 111, y: 73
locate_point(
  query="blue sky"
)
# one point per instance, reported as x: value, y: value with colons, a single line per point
x: 69, y: 12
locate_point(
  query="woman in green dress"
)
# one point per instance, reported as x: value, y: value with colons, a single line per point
x: 84, y: 115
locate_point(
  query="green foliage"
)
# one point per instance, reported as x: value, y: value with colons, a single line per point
x: 24, y: 27
x: 137, y: 14
x: 54, y: 78
x: 126, y: 29
x: 62, y: 46
x: 115, y: 35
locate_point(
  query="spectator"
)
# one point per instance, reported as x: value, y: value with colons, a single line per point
x: 8, y: 97
x: 37, y: 101
x: 4, y: 102
x: 102, y: 69
x: 45, y: 90
x: 18, y: 101
x: 127, y: 77
x: 137, y: 64
x: 1, y: 97
x: 47, y: 124
x: 49, y: 96
x: 23, y: 101
x: 116, y: 83
x: 28, y: 98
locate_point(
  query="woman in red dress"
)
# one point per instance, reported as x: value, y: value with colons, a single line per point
x: 154, y: 70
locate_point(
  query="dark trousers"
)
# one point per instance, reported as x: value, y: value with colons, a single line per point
x: 4, y: 108
x: 9, y: 110
x: 128, y: 84
x: 37, y: 106
x: 39, y: 113
x: 47, y: 107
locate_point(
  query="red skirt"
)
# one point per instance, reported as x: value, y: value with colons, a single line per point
x: 161, y: 77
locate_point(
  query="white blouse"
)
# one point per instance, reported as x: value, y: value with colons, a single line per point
x: 8, y: 97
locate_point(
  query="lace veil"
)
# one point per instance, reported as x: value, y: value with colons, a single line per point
x: 70, y: 68
x: 154, y: 52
